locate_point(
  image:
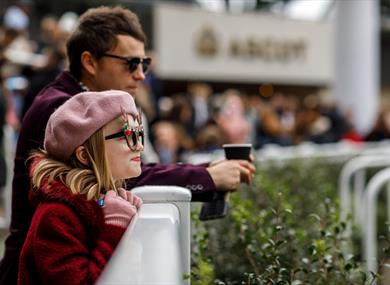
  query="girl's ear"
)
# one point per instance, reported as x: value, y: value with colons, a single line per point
x: 88, y: 62
x: 82, y: 155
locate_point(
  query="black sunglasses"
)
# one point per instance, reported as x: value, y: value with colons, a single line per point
x: 133, y: 62
x: 133, y: 136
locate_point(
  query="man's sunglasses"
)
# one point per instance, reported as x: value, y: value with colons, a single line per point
x: 133, y: 136
x: 133, y: 62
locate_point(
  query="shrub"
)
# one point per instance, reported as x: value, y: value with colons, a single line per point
x: 283, y: 229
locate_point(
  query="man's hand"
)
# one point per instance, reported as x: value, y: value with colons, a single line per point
x: 228, y: 174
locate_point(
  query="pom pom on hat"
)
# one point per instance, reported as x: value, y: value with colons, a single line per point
x: 81, y: 116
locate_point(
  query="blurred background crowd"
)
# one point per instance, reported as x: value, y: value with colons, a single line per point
x: 190, y: 115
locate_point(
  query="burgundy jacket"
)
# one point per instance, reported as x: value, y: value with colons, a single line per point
x: 68, y: 241
x: 195, y: 178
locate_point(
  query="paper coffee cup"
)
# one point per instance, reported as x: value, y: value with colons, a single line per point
x: 237, y: 151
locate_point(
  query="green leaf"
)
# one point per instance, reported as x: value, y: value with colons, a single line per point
x: 348, y: 266
x: 297, y: 282
x: 315, y: 217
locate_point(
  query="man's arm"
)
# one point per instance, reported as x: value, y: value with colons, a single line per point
x: 195, y: 178
x: 202, y: 180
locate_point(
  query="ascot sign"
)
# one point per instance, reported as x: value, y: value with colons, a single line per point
x: 195, y: 45
x: 266, y: 49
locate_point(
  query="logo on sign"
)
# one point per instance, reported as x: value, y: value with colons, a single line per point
x: 206, y: 43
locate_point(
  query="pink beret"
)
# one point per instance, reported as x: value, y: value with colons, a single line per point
x: 81, y: 116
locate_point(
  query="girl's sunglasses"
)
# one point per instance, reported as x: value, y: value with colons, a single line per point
x: 133, y: 62
x: 133, y: 136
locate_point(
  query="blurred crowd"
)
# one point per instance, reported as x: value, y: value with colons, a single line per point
x: 196, y: 119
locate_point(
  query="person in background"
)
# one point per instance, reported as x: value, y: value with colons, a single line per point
x: 381, y: 128
x: 77, y: 224
x: 40, y: 77
x: 3, y: 110
x: 106, y: 51
x: 200, y: 100
x: 231, y: 118
x: 170, y: 140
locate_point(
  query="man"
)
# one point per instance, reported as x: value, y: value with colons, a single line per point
x: 106, y: 52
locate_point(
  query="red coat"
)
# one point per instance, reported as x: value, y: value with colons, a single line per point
x: 68, y: 241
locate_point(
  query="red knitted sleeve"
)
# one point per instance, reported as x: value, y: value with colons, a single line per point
x: 63, y: 250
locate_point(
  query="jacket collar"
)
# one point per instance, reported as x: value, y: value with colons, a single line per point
x: 69, y: 82
x: 88, y: 211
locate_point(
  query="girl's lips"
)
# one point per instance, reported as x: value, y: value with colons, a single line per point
x: 132, y: 90
x: 137, y: 158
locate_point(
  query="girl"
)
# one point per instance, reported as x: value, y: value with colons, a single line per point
x: 92, y: 142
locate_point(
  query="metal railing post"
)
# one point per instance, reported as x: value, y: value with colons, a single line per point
x: 370, y: 232
x: 352, y: 167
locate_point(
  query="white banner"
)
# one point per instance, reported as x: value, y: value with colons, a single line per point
x: 192, y: 44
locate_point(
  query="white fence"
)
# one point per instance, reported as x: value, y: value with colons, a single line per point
x: 337, y: 152
x: 156, y: 247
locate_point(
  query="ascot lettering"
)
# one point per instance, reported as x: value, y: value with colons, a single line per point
x: 268, y: 49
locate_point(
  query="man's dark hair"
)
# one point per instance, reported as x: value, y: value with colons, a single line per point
x: 97, y: 31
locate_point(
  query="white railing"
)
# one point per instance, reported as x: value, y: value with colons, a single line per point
x: 334, y: 152
x: 365, y: 199
x: 370, y: 229
x: 9, y: 152
x: 156, y: 247
x: 356, y: 168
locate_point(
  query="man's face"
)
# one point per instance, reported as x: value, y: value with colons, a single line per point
x: 113, y: 73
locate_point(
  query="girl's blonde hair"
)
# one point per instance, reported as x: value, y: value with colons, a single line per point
x: 88, y: 180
